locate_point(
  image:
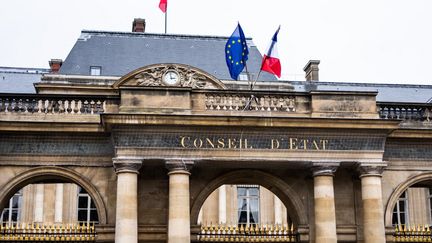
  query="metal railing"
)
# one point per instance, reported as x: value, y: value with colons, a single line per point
x: 252, y: 233
x: 34, y: 232
x: 419, y: 233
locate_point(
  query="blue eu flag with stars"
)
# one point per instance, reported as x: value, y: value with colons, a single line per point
x: 236, y: 52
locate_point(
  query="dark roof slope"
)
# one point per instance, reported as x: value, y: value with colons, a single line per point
x: 405, y: 93
x: 118, y: 53
x: 19, y: 80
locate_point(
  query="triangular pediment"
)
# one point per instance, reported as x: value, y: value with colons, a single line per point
x: 169, y: 75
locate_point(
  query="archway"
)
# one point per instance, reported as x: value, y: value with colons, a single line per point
x: 274, y: 184
x: 58, y: 174
x: 400, y: 193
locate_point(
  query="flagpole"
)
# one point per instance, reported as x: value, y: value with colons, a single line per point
x: 253, y: 84
x: 166, y: 19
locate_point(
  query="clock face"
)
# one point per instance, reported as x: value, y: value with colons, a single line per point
x: 171, y: 77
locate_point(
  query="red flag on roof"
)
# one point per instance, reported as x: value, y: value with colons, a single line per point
x: 163, y: 5
x: 271, y: 62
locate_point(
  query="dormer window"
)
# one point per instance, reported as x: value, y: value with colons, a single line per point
x: 243, y: 77
x: 95, y: 70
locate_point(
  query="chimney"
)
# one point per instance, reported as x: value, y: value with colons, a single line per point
x: 55, y: 65
x: 311, y: 70
x: 138, y: 25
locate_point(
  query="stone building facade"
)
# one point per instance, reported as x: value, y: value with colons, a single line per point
x: 166, y: 148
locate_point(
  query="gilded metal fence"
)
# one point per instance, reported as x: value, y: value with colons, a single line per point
x: 419, y: 233
x: 252, y: 233
x: 47, y: 233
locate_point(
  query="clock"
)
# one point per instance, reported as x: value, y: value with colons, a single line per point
x: 171, y: 77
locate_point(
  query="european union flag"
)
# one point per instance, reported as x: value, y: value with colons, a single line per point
x: 236, y: 52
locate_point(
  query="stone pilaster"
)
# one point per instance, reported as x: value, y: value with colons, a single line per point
x: 179, y: 209
x: 373, y: 209
x: 324, y: 207
x: 127, y: 170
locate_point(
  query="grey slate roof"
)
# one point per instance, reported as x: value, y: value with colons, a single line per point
x: 19, y: 80
x: 118, y: 53
x: 405, y: 93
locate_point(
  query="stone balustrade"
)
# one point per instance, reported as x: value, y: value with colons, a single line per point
x: 412, y: 112
x: 248, y: 233
x: 250, y: 102
x: 51, y: 105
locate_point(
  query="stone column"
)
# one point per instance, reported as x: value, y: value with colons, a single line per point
x: 373, y: 209
x: 39, y: 203
x: 278, y: 210
x: 58, y: 212
x: 179, y: 209
x: 222, y: 205
x: 126, y: 229
x: 325, y: 213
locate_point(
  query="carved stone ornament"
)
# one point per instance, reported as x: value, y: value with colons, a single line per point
x: 127, y: 165
x: 179, y: 166
x: 323, y: 169
x: 170, y: 75
x: 370, y: 170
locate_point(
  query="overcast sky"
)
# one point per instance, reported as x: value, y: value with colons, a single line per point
x: 383, y: 41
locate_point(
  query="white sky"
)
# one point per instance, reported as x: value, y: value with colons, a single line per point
x: 383, y: 41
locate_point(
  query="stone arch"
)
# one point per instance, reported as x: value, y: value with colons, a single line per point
x: 152, y: 76
x: 398, y: 192
x: 279, y: 187
x: 49, y: 173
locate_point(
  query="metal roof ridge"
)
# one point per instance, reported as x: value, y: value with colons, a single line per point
x: 160, y: 35
x: 365, y: 84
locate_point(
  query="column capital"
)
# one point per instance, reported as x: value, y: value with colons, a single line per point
x: 179, y: 166
x: 370, y: 169
x: 127, y: 164
x: 324, y: 169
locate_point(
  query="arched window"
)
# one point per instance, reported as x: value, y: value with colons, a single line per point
x: 87, y: 212
x: 12, y: 212
x: 400, y: 211
x: 248, y: 204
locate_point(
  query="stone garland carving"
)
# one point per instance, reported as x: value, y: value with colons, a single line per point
x: 188, y: 78
x: 237, y: 102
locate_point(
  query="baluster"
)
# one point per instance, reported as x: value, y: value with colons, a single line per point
x: 20, y: 105
x: 39, y: 106
x: 78, y: 108
x: 50, y: 106
x: 14, y: 106
x: 85, y: 107
x: 2, y: 104
x: 236, y: 102
x: 31, y: 105
x: 99, y: 109
x: 230, y: 103
x: 92, y: 107
x: 427, y: 114
x: 61, y: 108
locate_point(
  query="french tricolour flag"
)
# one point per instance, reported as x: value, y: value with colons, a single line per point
x: 271, y: 62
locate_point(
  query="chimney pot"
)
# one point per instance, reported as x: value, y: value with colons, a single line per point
x: 138, y: 25
x: 55, y: 65
x: 311, y: 70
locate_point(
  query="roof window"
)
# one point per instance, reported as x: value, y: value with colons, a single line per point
x: 95, y: 70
